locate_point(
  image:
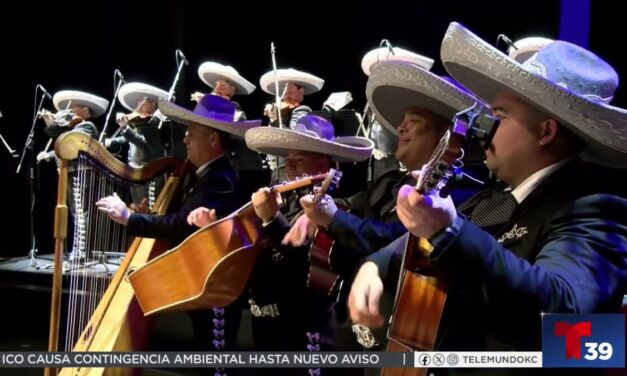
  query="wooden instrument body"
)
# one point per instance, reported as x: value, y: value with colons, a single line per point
x: 422, y: 290
x: 117, y: 324
x: 322, y: 277
x: 209, y: 269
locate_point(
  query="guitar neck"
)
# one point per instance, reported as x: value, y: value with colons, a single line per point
x: 300, y: 183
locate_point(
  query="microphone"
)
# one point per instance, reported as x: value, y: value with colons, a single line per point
x: 180, y: 54
x: 388, y: 45
x: 506, y: 40
x: 44, y: 91
x: 120, y: 76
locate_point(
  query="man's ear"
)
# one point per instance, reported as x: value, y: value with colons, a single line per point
x: 548, y: 131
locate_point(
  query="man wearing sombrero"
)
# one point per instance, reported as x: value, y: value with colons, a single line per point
x: 385, y: 139
x: 551, y: 238
x: 75, y: 109
x: 226, y: 82
x: 294, y: 85
x: 286, y: 314
x: 139, y: 130
x: 418, y: 105
x: 213, y: 185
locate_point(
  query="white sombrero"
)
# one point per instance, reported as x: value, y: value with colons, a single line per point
x: 394, y: 54
x: 212, y: 111
x: 311, y: 133
x: 524, y: 48
x: 210, y: 72
x: 132, y: 93
x: 562, y: 80
x: 309, y: 82
x: 97, y: 105
x: 395, y: 86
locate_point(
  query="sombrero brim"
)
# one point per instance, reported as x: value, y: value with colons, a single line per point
x: 210, y: 73
x: 278, y: 141
x: 131, y: 93
x: 485, y: 71
x: 395, y: 86
x: 185, y: 116
x: 384, y: 54
x: 97, y: 105
x: 309, y: 82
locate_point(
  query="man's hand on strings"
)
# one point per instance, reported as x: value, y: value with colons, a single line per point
x: 114, y: 208
x: 424, y: 215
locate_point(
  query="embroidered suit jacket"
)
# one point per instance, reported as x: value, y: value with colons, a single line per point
x: 563, y: 250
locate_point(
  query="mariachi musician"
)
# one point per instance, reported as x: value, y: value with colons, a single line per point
x: 75, y: 109
x: 293, y: 86
x: 139, y: 130
x: 226, y: 82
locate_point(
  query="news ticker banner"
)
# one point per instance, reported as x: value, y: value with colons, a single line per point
x: 270, y: 359
x: 568, y: 340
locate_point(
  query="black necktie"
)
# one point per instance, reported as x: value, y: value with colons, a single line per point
x: 490, y: 209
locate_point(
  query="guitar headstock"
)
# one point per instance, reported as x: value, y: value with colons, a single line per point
x: 446, y: 160
x: 330, y: 183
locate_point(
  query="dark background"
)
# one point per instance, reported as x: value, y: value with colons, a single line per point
x: 77, y: 45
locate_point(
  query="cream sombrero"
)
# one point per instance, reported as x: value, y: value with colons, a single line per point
x: 393, y: 54
x: 132, y: 93
x: 311, y: 133
x: 309, y: 82
x: 395, y: 86
x: 562, y: 80
x: 524, y: 48
x: 210, y: 72
x: 96, y: 104
x: 212, y: 111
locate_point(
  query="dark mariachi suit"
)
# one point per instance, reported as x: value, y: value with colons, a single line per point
x: 247, y: 163
x: 564, y: 249
x: 290, y: 309
x: 215, y: 189
x: 371, y: 224
x: 144, y: 146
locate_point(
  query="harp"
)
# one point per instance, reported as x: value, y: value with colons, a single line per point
x: 101, y: 314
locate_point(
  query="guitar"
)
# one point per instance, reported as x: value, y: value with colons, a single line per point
x: 210, y: 268
x: 422, y: 292
x: 321, y: 277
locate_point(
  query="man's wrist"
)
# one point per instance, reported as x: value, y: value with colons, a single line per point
x: 268, y: 222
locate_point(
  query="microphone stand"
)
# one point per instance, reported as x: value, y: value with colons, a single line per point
x: 28, y: 147
x: 120, y: 81
x: 179, y: 68
x: 6, y: 144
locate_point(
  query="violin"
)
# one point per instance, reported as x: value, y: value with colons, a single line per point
x: 138, y: 117
x: 286, y: 108
x: 63, y: 118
